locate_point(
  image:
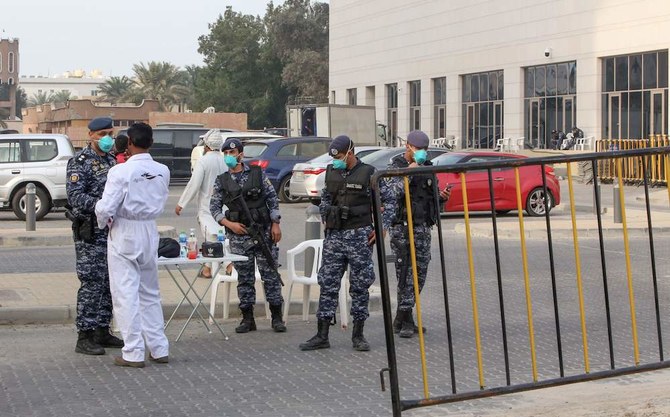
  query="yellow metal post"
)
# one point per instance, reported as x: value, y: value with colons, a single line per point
x: 526, y: 279
x: 473, y: 287
x: 580, y: 289
x: 412, y: 250
x: 629, y: 273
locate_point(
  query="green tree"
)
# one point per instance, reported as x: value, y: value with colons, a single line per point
x: 298, y: 30
x: 116, y: 89
x: 21, y: 100
x: 161, y: 81
x: 39, y: 98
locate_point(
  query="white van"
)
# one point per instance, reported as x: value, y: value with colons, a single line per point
x: 197, y: 152
x: 37, y: 158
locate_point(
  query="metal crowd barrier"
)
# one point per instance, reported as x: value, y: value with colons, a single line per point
x: 632, y: 168
x: 592, y: 320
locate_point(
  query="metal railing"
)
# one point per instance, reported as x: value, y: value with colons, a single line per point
x: 597, y: 318
x: 632, y: 167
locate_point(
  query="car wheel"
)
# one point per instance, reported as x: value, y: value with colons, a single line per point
x: 535, y: 202
x: 284, y: 193
x: 42, y: 203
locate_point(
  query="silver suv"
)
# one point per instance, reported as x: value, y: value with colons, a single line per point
x: 37, y: 158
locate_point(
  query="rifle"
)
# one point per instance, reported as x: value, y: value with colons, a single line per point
x: 257, y: 234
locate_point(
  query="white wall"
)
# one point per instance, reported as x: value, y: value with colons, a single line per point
x: 78, y: 87
x: 377, y: 42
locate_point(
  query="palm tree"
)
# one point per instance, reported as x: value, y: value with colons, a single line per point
x: 40, y: 98
x: 161, y: 81
x: 60, y: 97
x: 116, y: 89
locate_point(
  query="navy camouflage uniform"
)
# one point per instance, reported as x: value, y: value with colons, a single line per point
x: 399, y: 234
x: 349, y: 247
x: 86, y: 178
x: 246, y: 269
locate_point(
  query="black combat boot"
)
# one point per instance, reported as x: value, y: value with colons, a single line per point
x: 277, y: 323
x: 408, y: 328
x: 248, y: 324
x: 105, y: 338
x: 320, y: 341
x: 86, y: 345
x: 397, y: 323
x: 357, y: 338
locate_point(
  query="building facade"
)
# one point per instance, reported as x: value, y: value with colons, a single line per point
x: 9, y: 75
x: 79, y: 86
x: 485, y: 70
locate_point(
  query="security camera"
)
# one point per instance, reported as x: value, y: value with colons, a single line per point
x: 547, y: 52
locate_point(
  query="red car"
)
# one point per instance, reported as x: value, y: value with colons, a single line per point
x: 530, y: 178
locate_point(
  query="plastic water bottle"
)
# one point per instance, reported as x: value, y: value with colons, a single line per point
x: 221, y: 238
x: 183, y: 244
x: 192, y: 245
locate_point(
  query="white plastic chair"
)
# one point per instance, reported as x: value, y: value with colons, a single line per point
x: 584, y: 144
x: 308, y: 280
x: 227, y: 280
x: 453, y: 143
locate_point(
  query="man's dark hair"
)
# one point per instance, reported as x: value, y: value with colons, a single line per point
x: 121, y: 143
x: 141, y: 134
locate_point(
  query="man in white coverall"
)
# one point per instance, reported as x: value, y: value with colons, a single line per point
x: 201, y: 184
x: 134, y: 196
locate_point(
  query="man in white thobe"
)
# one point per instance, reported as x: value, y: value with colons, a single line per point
x: 134, y: 196
x: 201, y: 184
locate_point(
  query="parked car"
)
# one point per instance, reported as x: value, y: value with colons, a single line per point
x: 277, y: 156
x: 199, y: 149
x: 504, y: 183
x: 380, y: 159
x: 281, y: 131
x: 303, y: 179
x: 40, y: 159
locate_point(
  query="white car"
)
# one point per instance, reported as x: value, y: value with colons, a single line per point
x: 40, y: 159
x: 199, y: 149
x: 303, y: 179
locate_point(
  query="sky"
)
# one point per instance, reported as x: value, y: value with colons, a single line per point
x: 111, y: 36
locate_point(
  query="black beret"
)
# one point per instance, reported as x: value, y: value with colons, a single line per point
x: 418, y: 139
x: 232, y: 143
x: 341, y: 143
x: 100, y: 123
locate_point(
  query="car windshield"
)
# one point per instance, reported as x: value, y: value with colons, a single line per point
x: 254, y: 150
x: 381, y: 159
x: 447, y: 159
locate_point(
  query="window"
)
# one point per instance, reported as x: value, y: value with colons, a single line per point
x: 287, y: 150
x: 414, y: 105
x: 10, y: 151
x: 313, y: 149
x: 332, y: 97
x: 549, y: 101
x: 351, y: 96
x: 439, y: 107
x: 635, y: 95
x: 392, y: 111
x: 10, y: 62
x: 94, y: 93
x: 42, y: 150
x: 483, y: 95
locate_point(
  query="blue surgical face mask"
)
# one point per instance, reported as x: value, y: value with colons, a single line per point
x: 230, y: 160
x: 106, y: 143
x: 420, y: 156
x: 339, y: 164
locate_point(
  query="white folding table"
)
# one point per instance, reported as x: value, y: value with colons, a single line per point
x: 171, y: 264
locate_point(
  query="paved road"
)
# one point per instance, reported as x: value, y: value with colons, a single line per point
x: 263, y: 373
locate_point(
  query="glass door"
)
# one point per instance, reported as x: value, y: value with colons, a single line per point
x: 534, y: 122
x: 568, y: 114
x: 614, y: 116
x: 657, y: 113
x: 470, y: 125
x: 497, y: 120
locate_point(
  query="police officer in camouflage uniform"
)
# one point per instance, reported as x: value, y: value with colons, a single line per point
x: 346, y: 209
x: 86, y: 178
x: 247, y: 182
x: 424, y: 215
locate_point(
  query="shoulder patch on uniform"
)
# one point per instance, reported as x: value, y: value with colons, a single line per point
x: 74, y: 178
x: 81, y: 157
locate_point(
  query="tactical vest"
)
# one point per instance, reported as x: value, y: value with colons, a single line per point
x: 422, y: 193
x: 351, y: 206
x: 251, y: 192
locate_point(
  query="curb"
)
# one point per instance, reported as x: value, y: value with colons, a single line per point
x: 513, y: 233
x: 54, y: 237
x: 66, y: 314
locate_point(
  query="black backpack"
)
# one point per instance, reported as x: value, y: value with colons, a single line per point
x: 168, y: 247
